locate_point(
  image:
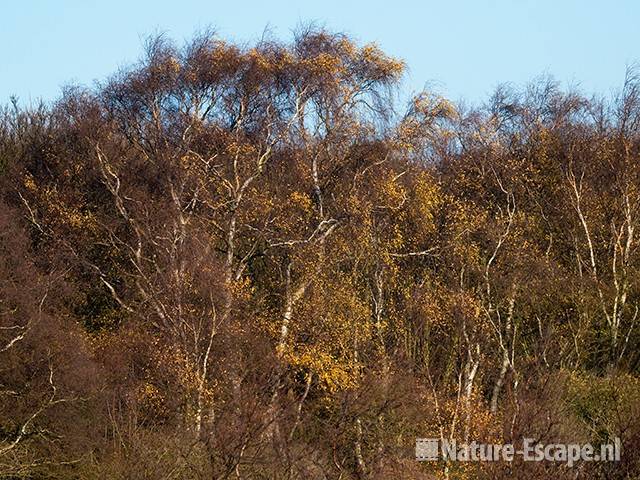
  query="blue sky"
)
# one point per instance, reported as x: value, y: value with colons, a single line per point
x: 462, y: 49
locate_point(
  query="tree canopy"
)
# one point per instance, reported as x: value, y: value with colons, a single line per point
x: 252, y: 262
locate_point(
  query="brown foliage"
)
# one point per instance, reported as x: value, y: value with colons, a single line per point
x: 240, y: 262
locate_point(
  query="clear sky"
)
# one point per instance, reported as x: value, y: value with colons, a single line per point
x: 461, y: 48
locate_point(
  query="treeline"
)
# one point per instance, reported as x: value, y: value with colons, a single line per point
x: 252, y: 263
